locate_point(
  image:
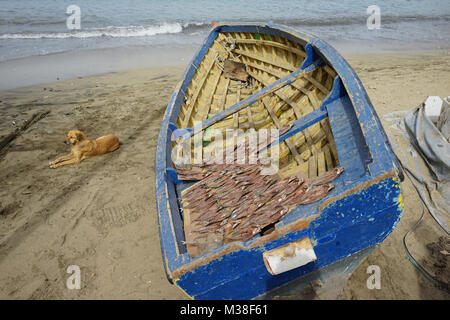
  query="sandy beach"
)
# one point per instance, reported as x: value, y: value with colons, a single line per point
x: 101, y: 213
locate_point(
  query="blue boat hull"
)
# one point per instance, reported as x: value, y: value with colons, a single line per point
x: 359, y: 213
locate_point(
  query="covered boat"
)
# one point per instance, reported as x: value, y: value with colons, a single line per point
x: 254, y: 77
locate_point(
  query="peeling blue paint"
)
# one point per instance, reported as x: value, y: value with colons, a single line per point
x: 362, y: 209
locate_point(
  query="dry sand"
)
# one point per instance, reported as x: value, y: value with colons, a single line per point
x: 101, y: 214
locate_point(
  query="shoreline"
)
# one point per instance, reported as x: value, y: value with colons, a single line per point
x: 42, y: 69
x: 67, y: 65
x: 101, y: 214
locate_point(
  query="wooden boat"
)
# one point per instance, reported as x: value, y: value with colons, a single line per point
x: 278, y: 77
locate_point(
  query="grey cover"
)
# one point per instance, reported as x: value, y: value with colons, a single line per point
x: 424, y: 154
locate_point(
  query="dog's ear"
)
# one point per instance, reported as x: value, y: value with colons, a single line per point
x: 79, y: 136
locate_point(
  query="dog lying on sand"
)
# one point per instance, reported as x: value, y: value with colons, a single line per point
x: 83, y: 148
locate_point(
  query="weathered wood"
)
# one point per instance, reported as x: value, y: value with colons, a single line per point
x: 259, y: 60
x: 266, y: 60
x: 289, y: 141
x: 298, y: 113
x: 321, y: 166
x: 247, y: 102
x: 208, y: 103
x: 328, y: 159
x: 235, y: 70
x: 224, y: 97
x: 188, y: 113
x: 236, y: 115
x: 312, y: 171
x: 317, y: 84
x: 364, y: 153
x: 273, y: 44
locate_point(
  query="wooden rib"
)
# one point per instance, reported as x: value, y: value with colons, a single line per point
x: 273, y: 44
x: 250, y: 118
x: 316, y: 84
x: 328, y: 159
x: 197, y: 91
x: 327, y: 68
x: 208, y: 103
x: 330, y: 71
x: 236, y: 115
x: 224, y: 98
x: 276, y: 121
x: 312, y: 170
x: 280, y: 75
x: 289, y: 56
x: 249, y: 113
x: 297, y: 112
x: 250, y: 55
x: 325, y: 125
x: 321, y: 167
x: 277, y: 85
x: 289, y: 141
x: 181, y: 115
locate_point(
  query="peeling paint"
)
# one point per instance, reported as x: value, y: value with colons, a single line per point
x: 237, y: 270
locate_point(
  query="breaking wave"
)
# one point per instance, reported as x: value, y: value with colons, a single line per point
x: 111, y: 31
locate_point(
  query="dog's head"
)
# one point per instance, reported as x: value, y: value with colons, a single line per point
x: 74, y: 136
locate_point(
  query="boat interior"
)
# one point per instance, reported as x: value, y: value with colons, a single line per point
x: 266, y: 59
x: 274, y: 82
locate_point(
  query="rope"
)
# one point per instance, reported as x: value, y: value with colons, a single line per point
x: 436, y: 282
x: 229, y: 44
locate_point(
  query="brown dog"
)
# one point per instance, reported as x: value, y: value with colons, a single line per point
x: 83, y: 148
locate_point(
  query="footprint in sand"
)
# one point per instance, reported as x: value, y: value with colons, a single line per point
x: 116, y: 216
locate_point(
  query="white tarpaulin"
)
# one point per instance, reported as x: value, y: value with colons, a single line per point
x: 425, y: 157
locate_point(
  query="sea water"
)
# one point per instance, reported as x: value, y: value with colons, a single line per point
x: 29, y: 28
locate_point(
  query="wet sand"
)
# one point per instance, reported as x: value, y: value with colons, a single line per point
x: 101, y: 213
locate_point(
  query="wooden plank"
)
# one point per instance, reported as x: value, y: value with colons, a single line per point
x: 324, y: 123
x: 321, y: 166
x: 295, y: 85
x: 317, y: 84
x: 290, y: 171
x: 289, y: 142
x: 191, y: 249
x: 224, y: 98
x: 303, y: 90
x: 261, y: 67
x: 312, y: 170
x: 250, y: 118
x: 246, y: 102
x: 266, y: 60
x: 330, y: 71
x: 328, y: 159
x: 273, y: 44
x: 197, y: 91
x: 236, y: 115
x: 304, y: 123
x: 280, y: 95
x: 353, y: 151
x: 208, y: 103
x: 298, y: 113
